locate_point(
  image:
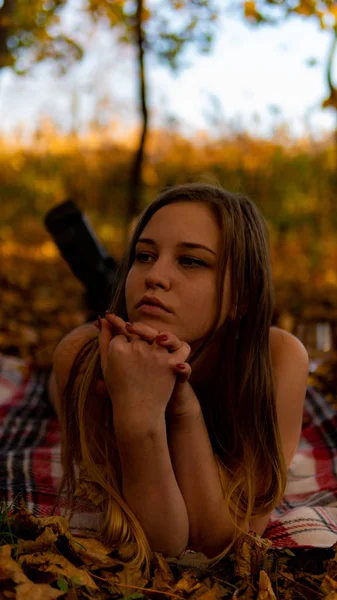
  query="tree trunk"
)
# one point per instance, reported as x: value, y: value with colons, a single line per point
x: 135, y: 185
x: 6, y: 12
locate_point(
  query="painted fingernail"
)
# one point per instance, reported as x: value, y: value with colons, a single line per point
x: 180, y: 366
x: 162, y: 338
x: 99, y: 323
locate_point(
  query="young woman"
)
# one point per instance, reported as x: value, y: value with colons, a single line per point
x: 185, y: 406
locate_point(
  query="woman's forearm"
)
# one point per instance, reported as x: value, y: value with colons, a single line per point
x: 197, y: 475
x: 150, y: 487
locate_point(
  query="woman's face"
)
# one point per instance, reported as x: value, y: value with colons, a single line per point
x: 176, y: 265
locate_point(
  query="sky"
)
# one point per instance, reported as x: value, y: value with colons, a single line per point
x: 254, y: 79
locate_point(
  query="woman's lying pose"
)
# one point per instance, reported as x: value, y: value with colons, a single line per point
x: 186, y: 405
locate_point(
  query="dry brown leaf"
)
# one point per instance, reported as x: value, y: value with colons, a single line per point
x: 125, y: 582
x: 58, y: 565
x: 90, y: 490
x: 188, y: 582
x: 94, y: 552
x: 204, y: 586
x: 329, y: 584
x: 36, y: 591
x: 9, y: 595
x: 59, y: 524
x: 163, y: 578
x: 212, y: 594
x: 42, y: 543
x: 250, y: 550
x: 9, y: 568
x: 266, y: 591
x: 127, y: 551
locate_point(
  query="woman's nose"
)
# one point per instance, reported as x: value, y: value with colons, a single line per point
x: 158, y: 276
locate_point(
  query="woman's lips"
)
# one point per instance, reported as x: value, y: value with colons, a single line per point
x: 151, y: 309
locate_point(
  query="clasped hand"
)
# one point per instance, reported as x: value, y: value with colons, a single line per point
x: 145, y: 370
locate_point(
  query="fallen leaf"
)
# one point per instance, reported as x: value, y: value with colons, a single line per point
x: 250, y: 550
x: 36, y: 591
x: 215, y: 593
x: 163, y: 578
x: 43, y: 542
x: 266, y: 591
x: 126, y: 581
x: 94, y: 552
x: 329, y: 584
x: 9, y: 568
x: 59, y: 525
x: 188, y: 582
x: 57, y: 564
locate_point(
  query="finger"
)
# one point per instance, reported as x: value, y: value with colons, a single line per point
x: 169, y: 341
x: 117, y: 323
x: 183, y: 371
x: 118, y: 326
x: 181, y: 354
x: 145, y: 332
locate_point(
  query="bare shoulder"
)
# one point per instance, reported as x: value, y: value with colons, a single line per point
x: 285, y: 348
x: 64, y: 356
x: 290, y: 365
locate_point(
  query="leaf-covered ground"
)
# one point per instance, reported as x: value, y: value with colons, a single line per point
x: 41, y: 560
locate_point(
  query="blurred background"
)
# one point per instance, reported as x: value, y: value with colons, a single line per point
x: 105, y: 102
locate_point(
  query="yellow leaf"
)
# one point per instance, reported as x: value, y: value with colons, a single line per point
x: 94, y: 552
x: 188, y: 582
x: 163, y: 578
x: 50, y: 562
x: 127, y: 581
x: 9, y: 569
x: 265, y: 588
x: 250, y: 9
x: 38, y: 591
x: 43, y: 542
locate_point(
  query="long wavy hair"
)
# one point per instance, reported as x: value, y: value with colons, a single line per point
x: 237, y: 397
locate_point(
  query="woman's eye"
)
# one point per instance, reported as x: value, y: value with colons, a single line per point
x: 192, y: 263
x: 143, y: 257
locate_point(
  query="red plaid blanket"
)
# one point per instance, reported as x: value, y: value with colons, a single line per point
x: 30, y: 462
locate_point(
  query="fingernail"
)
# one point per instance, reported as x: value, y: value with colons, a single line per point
x: 99, y: 323
x: 129, y: 324
x: 162, y: 338
x: 180, y: 366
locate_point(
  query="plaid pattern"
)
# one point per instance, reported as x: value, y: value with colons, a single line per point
x: 30, y: 462
x: 307, y: 515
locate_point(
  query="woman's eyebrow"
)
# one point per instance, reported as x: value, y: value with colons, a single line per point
x: 191, y: 245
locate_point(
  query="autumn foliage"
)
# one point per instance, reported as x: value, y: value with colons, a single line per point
x: 294, y: 184
x: 40, y: 559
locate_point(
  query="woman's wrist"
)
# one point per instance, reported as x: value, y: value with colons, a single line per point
x: 134, y: 426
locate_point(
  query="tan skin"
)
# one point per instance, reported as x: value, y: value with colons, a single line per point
x: 171, y: 266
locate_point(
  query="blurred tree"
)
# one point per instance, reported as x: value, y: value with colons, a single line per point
x: 30, y: 33
x: 163, y: 29
x: 259, y: 12
x: 159, y: 29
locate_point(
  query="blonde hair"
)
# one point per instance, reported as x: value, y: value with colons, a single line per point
x: 240, y: 385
